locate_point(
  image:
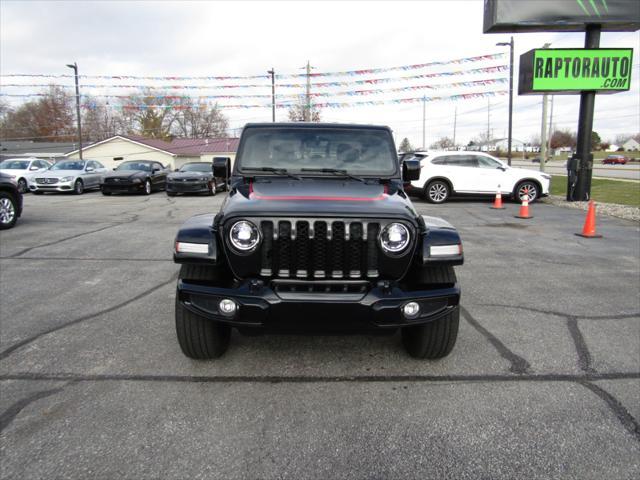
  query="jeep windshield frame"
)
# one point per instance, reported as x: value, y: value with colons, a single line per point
x: 362, y: 151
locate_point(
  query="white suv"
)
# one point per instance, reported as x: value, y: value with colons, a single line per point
x: 444, y: 174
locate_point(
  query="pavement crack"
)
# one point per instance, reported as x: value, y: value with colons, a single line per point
x: 9, y: 415
x: 464, y: 378
x: 5, y: 353
x: 584, y: 356
x: 621, y: 316
x: 518, y: 364
x: 626, y: 419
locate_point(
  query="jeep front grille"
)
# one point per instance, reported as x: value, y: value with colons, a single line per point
x: 319, y: 249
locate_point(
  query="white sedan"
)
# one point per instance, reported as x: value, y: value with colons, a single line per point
x: 444, y: 174
x: 20, y: 169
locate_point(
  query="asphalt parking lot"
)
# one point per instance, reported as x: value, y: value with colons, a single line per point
x: 544, y: 381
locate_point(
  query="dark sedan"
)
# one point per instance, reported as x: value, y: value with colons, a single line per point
x: 194, y: 177
x: 135, y: 176
x: 10, y: 202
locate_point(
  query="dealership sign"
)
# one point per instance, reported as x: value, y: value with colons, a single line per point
x: 569, y: 71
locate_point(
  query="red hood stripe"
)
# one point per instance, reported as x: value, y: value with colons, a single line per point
x: 257, y: 196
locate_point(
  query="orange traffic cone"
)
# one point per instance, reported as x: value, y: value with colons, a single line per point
x: 524, y: 209
x: 589, y: 229
x: 497, y: 203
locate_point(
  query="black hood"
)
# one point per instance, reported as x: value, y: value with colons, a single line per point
x: 190, y: 175
x: 126, y: 174
x: 319, y: 197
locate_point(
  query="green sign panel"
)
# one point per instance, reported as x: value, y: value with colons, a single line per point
x: 563, y: 70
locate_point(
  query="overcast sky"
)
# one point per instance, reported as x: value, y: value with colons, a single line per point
x: 241, y: 38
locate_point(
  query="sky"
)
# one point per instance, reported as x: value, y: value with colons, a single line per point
x: 243, y: 38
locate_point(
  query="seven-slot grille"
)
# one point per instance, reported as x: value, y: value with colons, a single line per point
x: 319, y: 249
x: 46, y: 180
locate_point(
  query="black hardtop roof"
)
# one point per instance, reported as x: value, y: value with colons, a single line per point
x: 312, y: 125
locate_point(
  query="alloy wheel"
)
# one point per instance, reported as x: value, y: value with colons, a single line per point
x: 22, y: 185
x: 438, y: 192
x: 527, y: 191
x: 147, y: 187
x: 7, y: 211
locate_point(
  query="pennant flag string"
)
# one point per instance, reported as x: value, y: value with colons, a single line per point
x: 372, y: 81
x: 159, y: 98
x: 462, y: 96
x: 368, y: 71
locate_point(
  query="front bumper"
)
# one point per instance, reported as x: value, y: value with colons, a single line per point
x: 122, y: 187
x: 188, y: 187
x: 56, y: 187
x: 269, y: 307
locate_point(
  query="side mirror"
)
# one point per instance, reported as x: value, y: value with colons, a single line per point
x: 114, y: 169
x: 33, y: 168
x: 90, y: 169
x: 155, y: 170
x: 411, y: 170
x: 221, y: 167
x: 176, y: 169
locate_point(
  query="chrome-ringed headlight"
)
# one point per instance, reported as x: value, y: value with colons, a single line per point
x: 65, y: 179
x: 244, y: 236
x: 395, y: 238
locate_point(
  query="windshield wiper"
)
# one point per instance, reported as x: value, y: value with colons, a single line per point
x: 335, y: 171
x: 277, y: 171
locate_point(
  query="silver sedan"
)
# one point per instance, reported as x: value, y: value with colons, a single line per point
x: 69, y: 176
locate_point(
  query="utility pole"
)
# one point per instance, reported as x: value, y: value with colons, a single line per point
x: 543, y: 128
x: 75, y: 70
x: 424, y: 123
x: 488, y: 122
x: 307, y: 114
x: 543, y: 134
x: 549, y: 151
x: 455, y: 121
x: 273, y: 94
x: 510, y: 44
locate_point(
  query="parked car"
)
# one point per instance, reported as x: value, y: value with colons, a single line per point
x: 75, y: 176
x: 615, y: 160
x: 317, y: 234
x: 195, y: 177
x: 444, y: 174
x: 135, y: 176
x: 20, y: 169
x: 10, y: 201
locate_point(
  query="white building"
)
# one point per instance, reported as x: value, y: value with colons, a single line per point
x: 114, y: 150
x: 631, y: 145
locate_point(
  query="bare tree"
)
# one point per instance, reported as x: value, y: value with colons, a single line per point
x: 445, y: 143
x: 193, y: 119
x: 562, y: 138
x: 49, y: 117
x: 405, y: 145
x: 301, y: 111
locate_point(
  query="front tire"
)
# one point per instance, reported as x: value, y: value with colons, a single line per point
x: 147, y: 187
x: 8, y: 211
x: 437, y: 191
x: 199, y: 337
x: 432, y: 340
x: 528, y: 190
x: 22, y: 186
x: 78, y: 187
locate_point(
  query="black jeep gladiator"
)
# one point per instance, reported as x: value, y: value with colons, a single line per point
x: 317, y: 235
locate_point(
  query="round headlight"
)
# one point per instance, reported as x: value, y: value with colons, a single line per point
x: 394, y: 238
x: 244, y: 235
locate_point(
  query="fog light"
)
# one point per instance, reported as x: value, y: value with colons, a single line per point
x: 227, y: 307
x: 411, y: 310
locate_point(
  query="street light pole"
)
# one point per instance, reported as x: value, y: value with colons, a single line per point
x: 510, y: 44
x: 75, y: 71
x: 273, y: 94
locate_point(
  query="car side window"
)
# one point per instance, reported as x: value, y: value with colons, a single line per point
x: 98, y: 165
x: 439, y: 161
x: 486, y: 162
x: 461, y: 160
x: 91, y: 165
x: 158, y: 165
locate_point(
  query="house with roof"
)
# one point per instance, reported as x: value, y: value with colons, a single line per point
x: 631, y: 145
x: 173, y: 154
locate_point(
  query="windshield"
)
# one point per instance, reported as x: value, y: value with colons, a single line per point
x: 14, y: 165
x: 357, y: 151
x: 135, y: 166
x: 196, y: 167
x: 69, y: 165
